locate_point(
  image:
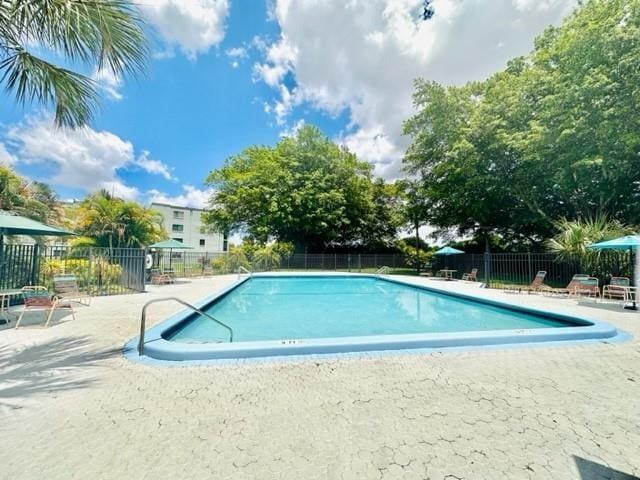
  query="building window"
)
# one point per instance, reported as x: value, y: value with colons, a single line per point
x: 225, y: 243
x: 177, y: 228
x: 202, y: 242
x: 178, y: 215
x: 177, y: 239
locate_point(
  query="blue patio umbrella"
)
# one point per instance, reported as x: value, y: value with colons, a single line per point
x: 629, y: 242
x: 446, y: 251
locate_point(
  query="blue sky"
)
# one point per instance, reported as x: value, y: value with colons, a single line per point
x: 225, y: 74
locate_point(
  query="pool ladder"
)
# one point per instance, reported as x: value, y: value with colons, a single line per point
x: 243, y: 271
x: 384, y: 270
x: 143, y: 319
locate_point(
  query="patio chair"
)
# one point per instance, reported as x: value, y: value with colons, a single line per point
x: 589, y: 287
x: 66, y: 287
x: 37, y: 297
x: 536, y: 285
x: 160, y: 278
x: 471, y: 276
x: 570, y: 288
x: 618, y: 289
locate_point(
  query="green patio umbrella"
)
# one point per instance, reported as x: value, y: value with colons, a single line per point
x: 629, y: 242
x: 446, y: 251
x: 12, y: 224
x: 170, y: 245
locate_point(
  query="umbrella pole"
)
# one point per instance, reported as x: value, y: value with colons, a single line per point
x: 633, y: 276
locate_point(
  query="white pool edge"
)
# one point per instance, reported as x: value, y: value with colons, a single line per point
x: 157, y: 348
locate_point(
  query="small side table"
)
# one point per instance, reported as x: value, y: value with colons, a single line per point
x: 5, y: 296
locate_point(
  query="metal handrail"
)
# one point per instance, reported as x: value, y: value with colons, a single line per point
x: 143, y: 319
x: 240, y: 271
x: 384, y: 270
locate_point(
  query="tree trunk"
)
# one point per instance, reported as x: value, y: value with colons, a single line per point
x: 417, y: 227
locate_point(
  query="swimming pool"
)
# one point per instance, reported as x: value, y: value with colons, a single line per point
x: 293, y: 314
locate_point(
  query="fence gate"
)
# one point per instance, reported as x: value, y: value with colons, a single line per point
x: 102, y: 271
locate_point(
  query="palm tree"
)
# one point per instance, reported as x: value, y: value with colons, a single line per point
x: 113, y: 222
x: 30, y: 199
x: 104, y: 34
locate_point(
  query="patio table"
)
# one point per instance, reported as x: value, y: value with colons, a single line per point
x: 448, y: 274
x: 5, y: 296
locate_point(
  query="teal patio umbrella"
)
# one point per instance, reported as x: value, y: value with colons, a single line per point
x: 12, y: 224
x: 170, y: 245
x: 446, y: 251
x: 629, y: 242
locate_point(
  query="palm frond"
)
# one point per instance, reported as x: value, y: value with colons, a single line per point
x: 33, y: 79
x: 107, y: 32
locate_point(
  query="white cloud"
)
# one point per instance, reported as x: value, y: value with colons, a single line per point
x: 84, y: 158
x: 237, y: 52
x: 280, y: 57
x: 378, y: 47
x: 191, y: 197
x: 192, y: 25
x: 153, y: 166
x: 6, y: 159
x: 109, y: 82
x: 291, y: 132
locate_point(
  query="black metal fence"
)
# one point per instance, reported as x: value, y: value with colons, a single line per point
x: 498, y: 269
x: 185, y: 263
x: 101, y: 271
x: 105, y: 271
x: 345, y: 262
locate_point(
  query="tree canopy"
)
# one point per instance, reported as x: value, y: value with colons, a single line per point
x: 30, y: 199
x: 113, y: 222
x: 555, y: 135
x: 305, y: 190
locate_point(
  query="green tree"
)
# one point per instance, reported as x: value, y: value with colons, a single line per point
x: 98, y: 33
x: 414, y: 215
x: 113, y: 222
x: 555, y: 135
x: 305, y: 190
x: 30, y: 199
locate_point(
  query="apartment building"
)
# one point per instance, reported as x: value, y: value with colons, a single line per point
x: 184, y: 225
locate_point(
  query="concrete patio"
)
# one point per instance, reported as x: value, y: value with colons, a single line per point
x: 72, y: 407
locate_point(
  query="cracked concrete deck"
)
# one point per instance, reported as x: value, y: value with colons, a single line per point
x: 71, y: 407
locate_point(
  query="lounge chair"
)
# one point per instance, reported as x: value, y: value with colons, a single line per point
x: 570, y: 288
x: 589, y: 287
x: 618, y: 289
x: 65, y: 287
x: 37, y: 297
x: 537, y: 285
x: 161, y: 278
x: 471, y: 276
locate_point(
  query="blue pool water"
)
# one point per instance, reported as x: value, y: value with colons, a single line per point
x: 287, y: 308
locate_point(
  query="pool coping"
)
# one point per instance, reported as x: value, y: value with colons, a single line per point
x: 157, y: 348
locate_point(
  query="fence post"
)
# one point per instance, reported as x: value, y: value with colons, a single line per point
x: 359, y: 263
x: 34, y: 264
x: 529, y: 264
x: 487, y: 265
x: 335, y: 261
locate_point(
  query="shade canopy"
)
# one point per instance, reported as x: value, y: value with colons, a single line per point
x: 448, y: 251
x: 631, y: 242
x: 16, y: 225
x: 170, y: 245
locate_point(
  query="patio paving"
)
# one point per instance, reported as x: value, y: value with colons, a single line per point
x: 72, y: 407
